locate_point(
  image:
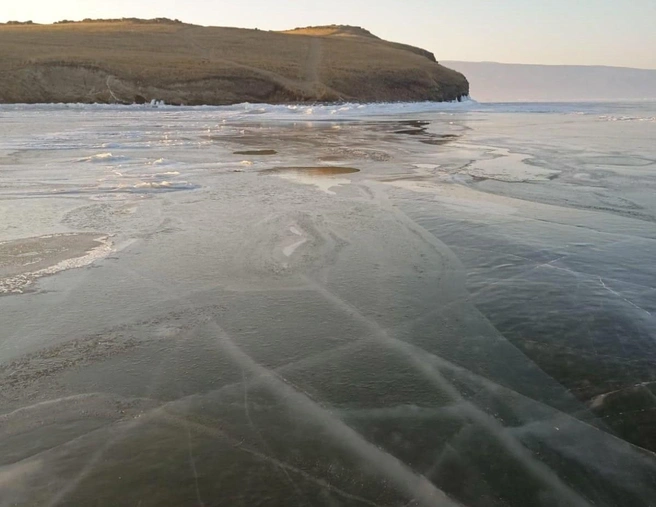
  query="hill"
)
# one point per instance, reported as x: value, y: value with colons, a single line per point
x: 130, y: 59
x: 502, y: 82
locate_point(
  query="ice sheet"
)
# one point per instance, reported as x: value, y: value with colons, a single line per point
x: 468, y: 319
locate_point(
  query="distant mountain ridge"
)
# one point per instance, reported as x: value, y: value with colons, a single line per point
x: 504, y: 82
x: 132, y: 60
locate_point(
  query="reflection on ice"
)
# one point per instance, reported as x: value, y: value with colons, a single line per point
x: 322, y: 177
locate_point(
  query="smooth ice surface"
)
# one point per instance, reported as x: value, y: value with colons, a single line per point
x: 400, y: 304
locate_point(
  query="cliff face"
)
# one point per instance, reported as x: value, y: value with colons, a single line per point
x: 124, y: 61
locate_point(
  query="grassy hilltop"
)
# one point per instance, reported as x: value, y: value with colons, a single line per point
x: 130, y: 59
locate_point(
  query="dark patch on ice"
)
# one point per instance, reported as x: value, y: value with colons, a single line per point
x: 415, y: 123
x: 420, y: 128
x: 412, y: 132
x: 256, y: 152
x: 441, y: 139
x: 412, y: 127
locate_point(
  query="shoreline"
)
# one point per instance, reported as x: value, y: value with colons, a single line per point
x: 464, y: 99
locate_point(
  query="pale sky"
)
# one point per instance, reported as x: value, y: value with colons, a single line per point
x: 579, y: 32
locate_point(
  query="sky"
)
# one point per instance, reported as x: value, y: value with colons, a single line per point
x: 571, y: 32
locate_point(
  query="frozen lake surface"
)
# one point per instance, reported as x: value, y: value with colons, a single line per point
x: 390, y: 305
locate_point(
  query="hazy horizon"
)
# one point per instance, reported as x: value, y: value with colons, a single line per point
x: 600, y: 33
x: 497, y: 62
x: 503, y: 82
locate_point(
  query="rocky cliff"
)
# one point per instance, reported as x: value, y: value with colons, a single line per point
x: 123, y: 61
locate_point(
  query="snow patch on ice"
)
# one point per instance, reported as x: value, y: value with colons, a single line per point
x: 613, y: 118
x: 103, y: 157
x: 18, y: 283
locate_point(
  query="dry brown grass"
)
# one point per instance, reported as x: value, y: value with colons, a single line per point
x: 332, y: 30
x: 182, y: 63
